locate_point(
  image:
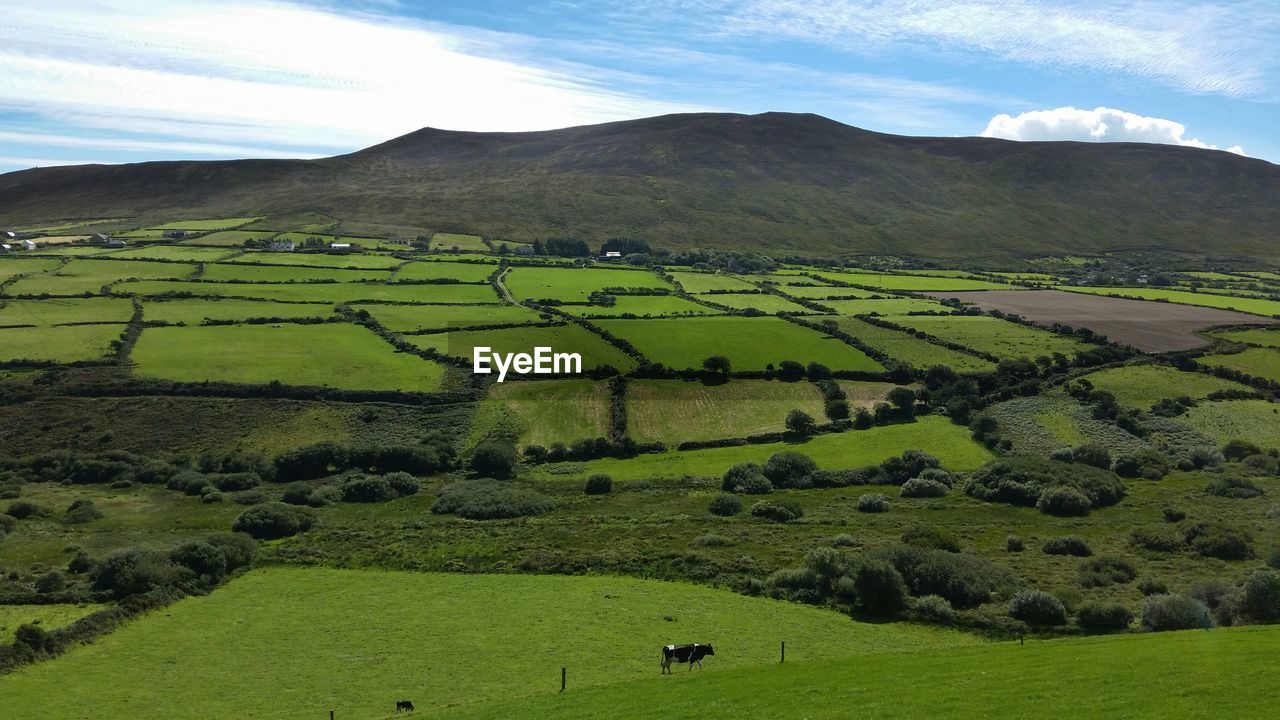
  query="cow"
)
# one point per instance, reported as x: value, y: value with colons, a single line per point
x: 405, y: 705
x: 685, y: 654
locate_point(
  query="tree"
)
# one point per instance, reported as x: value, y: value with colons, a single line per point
x: 716, y: 365
x: 494, y: 459
x: 790, y: 371
x: 902, y: 398
x: 817, y: 371
x: 880, y: 588
x: 800, y: 422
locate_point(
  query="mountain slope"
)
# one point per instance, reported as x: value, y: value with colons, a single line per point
x: 774, y: 181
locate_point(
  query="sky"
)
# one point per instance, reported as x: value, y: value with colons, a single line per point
x: 112, y: 81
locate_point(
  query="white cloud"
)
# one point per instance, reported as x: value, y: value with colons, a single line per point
x: 1098, y: 125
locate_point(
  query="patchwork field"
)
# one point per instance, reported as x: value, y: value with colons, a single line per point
x: 595, y: 352
x: 332, y: 355
x: 910, y: 349
x: 273, y: 273
x: 1255, y: 306
x: 1259, y: 362
x: 229, y: 238
x: 1147, y: 326
x: 12, y: 267
x: 1255, y: 421
x: 887, y: 306
x: 175, y: 252
x: 48, y: 617
x: 355, y: 261
x: 544, y: 412
x: 89, y: 276
x: 1261, y: 338
x: 63, y: 343
x: 462, y: 272
x: 410, y: 318
x: 987, y: 334
x: 750, y: 343
x: 912, y: 283
x: 60, y: 311
x: 643, y: 306
x: 194, y: 312
x: 574, y: 284
x: 1142, y: 386
x: 764, y: 302
x: 823, y: 292
x: 215, y: 224
x: 674, y: 411
x: 450, y: 241
x: 320, y: 292
x: 701, y: 282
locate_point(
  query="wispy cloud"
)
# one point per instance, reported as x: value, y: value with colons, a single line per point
x: 1097, y: 125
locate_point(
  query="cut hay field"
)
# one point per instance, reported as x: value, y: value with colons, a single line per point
x: 48, y: 617
x: 1142, y: 386
x: 88, y: 276
x: 1255, y: 421
x: 276, y: 273
x: 1255, y: 306
x: 208, y: 224
x: 886, y: 306
x: 449, y: 241
x: 1147, y: 326
x: 701, y: 282
x: 357, y: 261
x: 320, y: 292
x: 543, y: 412
x: 950, y: 443
x: 595, y: 352
x: 194, y: 312
x: 331, y: 355
x: 409, y: 318
x: 1001, y: 338
x: 910, y: 349
x: 644, y: 306
x: 1258, y: 337
x: 764, y: 302
x: 441, y: 639
x: 462, y: 272
x: 1263, y: 362
x: 574, y: 284
x: 12, y: 267
x: 912, y: 283
x: 674, y: 411
x: 63, y: 343
x: 229, y: 238
x: 60, y: 311
x: 750, y: 343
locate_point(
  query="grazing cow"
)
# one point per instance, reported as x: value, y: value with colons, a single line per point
x: 685, y: 654
x: 405, y: 705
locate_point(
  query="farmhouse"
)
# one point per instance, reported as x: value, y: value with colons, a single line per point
x: 340, y: 246
x: 98, y: 239
x: 28, y: 245
x: 611, y: 255
x: 524, y: 250
x: 175, y: 234
x: 281, y: 246
x: 5, y: 247
x: 9, y: 235
x: 115, y: 243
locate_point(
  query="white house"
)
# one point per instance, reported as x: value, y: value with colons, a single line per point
x: 611, y: 254
x: 5, y: 247
x: 28, y: 245
x: 340, y: 246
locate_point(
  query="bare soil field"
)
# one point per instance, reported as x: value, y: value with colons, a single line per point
x: 1146, y: 325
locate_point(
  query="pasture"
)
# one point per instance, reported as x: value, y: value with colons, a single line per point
x: 1254, y: 306
x: 543, y: 412
x: 702, y: 282
x: 355, y: 261
x: 1001, y: 338
x: 764, y: 302
x: 330, y: 355
x: 1040, y: 424
x: 458, y: 241
x: 674, y: 411
x: 595, y: 352
x: 229, y: 238
x: 574, y: 284
x: 824, y: 292
x: 208, y: 224
x: 865, y: 393
x: 1255, y: 336
x: 320, y: 292
x: 750, y: 343
x: 61, y: 343
x: 274, y: 273
x: 912, y: 283
x: 79, y: 277
x: 1263, y: 362
x: 643, y: 306
x: 48, y: 617
x: 1147, y: 326
x: 194, y: 312
x: 908, y: 348
x: 1255, y: 421
x: 181, y: 253
x: 61, y: 311
x: 462, y: 272
x: 268, y: 649
x: 886, y: 306
x: 411, y: 318
x: 12, y: 267
x: 1142, y: 386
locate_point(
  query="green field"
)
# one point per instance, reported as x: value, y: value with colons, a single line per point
x: 674, y: 411
x: 887, y: 306
x: 332, y: 355
x: 910, y: 349
x: 462, y: 272
x: 175, y: 252
x: 914, y: 283
x: 268, y: 648
x: 11, y: 268
x: 643, y: 306
x: 1259, y: 362
x: 142, y: 234
x: 60, y: 311
x: 701, y: 282
x: 88, y: 276
x: 992, y: 335
x: 1256, y: 306
x: 48, y: 617
x: 74, y: 251
x: 574, y: 284
x: 1142, y: 386
x: 193, y: 312
x: 357, y: 261
x: 273, y: 273
x: 865, y: 393
x: 763, y: 302
x: 449, y: 241
x: 595, y: 352
x: 750, y: 343
x: 229, y: 238
x: 64, y: 343
x: 208, y: 224
x: 1256, y: 421
x: 822, y: 292
x: 950, y: 443
x: 408, y: 318
x: 1255, y: 336
x: 320, y: 292
x: 543, y: 412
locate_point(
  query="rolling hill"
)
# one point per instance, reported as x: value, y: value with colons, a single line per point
x: 778, y: 182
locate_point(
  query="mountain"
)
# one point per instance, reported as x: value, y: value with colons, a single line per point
x: 776, y: 181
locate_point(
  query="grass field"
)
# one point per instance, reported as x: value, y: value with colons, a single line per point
x: 763, y: 302
x: 1256, y: 421
x: 441, y: 639
x: 273, y: 273
x: 208, y: 224
x: 48, y: 617
x: 750, y: 343
x: 595, y: 352
x: 644, y: 306
x: 1190, y: 674
x: 10, y: 268
x: 865, y: 393
x: 66, y: 343
x: 333, y: 355
x: 1261, y: 338
x: 448, y: 241
x: 987, y: 334
x: 193, y: 312
x: 1041, y: 424
x: 950, y: 443
x: 910, y: 349
x: 543, y: 412
x: 320, y: 292
x: 88, y: 276
x: 887, y: 306
x: 574, y: 284
x: 701, y: 282
x: 1260, y: 362
x: 822, y: 292
x: 229, y: 238
x: 1255, y: 306
x: 59, y: 311
x: 463, y: 272
x: 886, y: 281
x: 175, y: 252
x: 408, y: 318
x: 673, y: 411
x: 357, y: 261
x: 1142, y: 386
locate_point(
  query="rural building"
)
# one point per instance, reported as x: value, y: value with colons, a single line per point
x: 28, y: 245
x: 99, y: 239
x: 115, y: 242
x: 8, y: 235
x: 281, y: 245
x: 4, y: 248
x: 612, y: 254
x: 341, y: 247
x: 175, y: 234
x: 524, y: 249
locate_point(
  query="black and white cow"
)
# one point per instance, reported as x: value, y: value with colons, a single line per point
x: 404, y: 705
x: 685, y: 654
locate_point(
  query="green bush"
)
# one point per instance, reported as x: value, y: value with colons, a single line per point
x: 873, y: 503
x: 80, y: 564
x: 782, y: 512
x: 1021, y: 480
x: 879, y: 588
x: 712, y: 540
x: 1036, y: 607
x: 1067, y: 545
x: 1063, y: 502
x: 844, y: 540
x: 237, y: 548
x: 789, y: 469
x: 1152, y: 586
x: 1219, y: 540
x: 1160, y: 538
x: 1100, y: 616
x: 23, y: 509
x: 403, y: 483
x: 725, y: 505
x: 1105, y: 571
x: 235, y: 482
x: 134, y: 571
x: 931, y: 537
x: 8, y: 524
x: 923, y: 488
x: 746, y: 479
x: 488, y: 499
x: 494, y: 459
x: 910, y: 464
x: 1174, y: 612
x: 1092, y: 454
x: 81, y: 510
x: 51, y: 582
x: 1173, y: 515
x: 1233, y: 487
x: 1013, y: 543
x: 368, y: 489
x: 800, y: 422
x: 937, y: 474
x: 598, y: 485
x: 1261, y: 596
x: 273, y: 520
x: 202, y: 558
x: 963, y: 580
x: 933, y: 609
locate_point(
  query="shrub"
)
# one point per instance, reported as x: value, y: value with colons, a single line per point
x: 844, y: 540
x: 203, y: 559
x: 51, y: 582
x: 934, y: 609
x: 598, y: 485
x: 1160, y: 538
x: 494, y: 459
x: 368, y: 489
x: 490, y: 500
x: 235, y: 482
x: 1013, y: 543
x: 937, y: 474
x: 1261, y: 596
x: 8, y: 524
x: 1063, y: 502
x: 789, y: 469
x: 1036, y: 607
x: 273, y: 520
x: 1147, y: 464
x: 1092, y: 454
x: 1174, y: 612
x: 237, y: 548
x: 1237, y: 450
x: 922, y: 488
x: 934, y: 538
x: 800, y: 422
x: 81, y: 510
x: 1233, y: 487
x: 1218, y: 540
x: 746, y: 479
x: 911, y: 463
x: 80, y: 564
x: 712, y: 540
x: 782, y: 512
x: 1067, y: 545
x: 403, y: 483
x: 1021, y: 480
x: 879, y: 588
x: 299, y: 493
x: 1152, y: 586
x: 1173, y: 515
x: 1099, y: 616
x: 725, y: 505
x: 23, y: 509
x: 963, y: 580
x: 873, y: 503
x: 213, y: 496
x: 133, y: 571
x: 1104, y: 571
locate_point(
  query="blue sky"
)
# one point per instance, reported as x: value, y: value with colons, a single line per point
x: 134, y: 80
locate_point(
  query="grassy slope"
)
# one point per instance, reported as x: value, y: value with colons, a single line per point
x: 911, y: 349
x: 49, y: 617
x: 1142, y: 386
x: 1192, y: 674
x: 406, y: 318
x: 988, y: 334
x: 193, y: 312
x: 1261, y: 362
x: 293, y: 643
x: 595, y: 352
x: 1256, y: 421
x: 321, y: 292
x: 544, y: 412
x: 57, y: 311
x: 1262, y: 338
x: 68, y: 343
x: 673, y: 411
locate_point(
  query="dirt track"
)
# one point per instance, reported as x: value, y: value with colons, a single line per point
x: 1148, y: 326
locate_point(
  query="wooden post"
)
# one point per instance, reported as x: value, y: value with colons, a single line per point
x: 330, y: 715
x: 563, y: 674
x: 784, y: 652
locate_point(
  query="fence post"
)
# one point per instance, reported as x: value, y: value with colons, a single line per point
x: 563, y: 674
x: 330, y: 715
x: 784, y: 652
